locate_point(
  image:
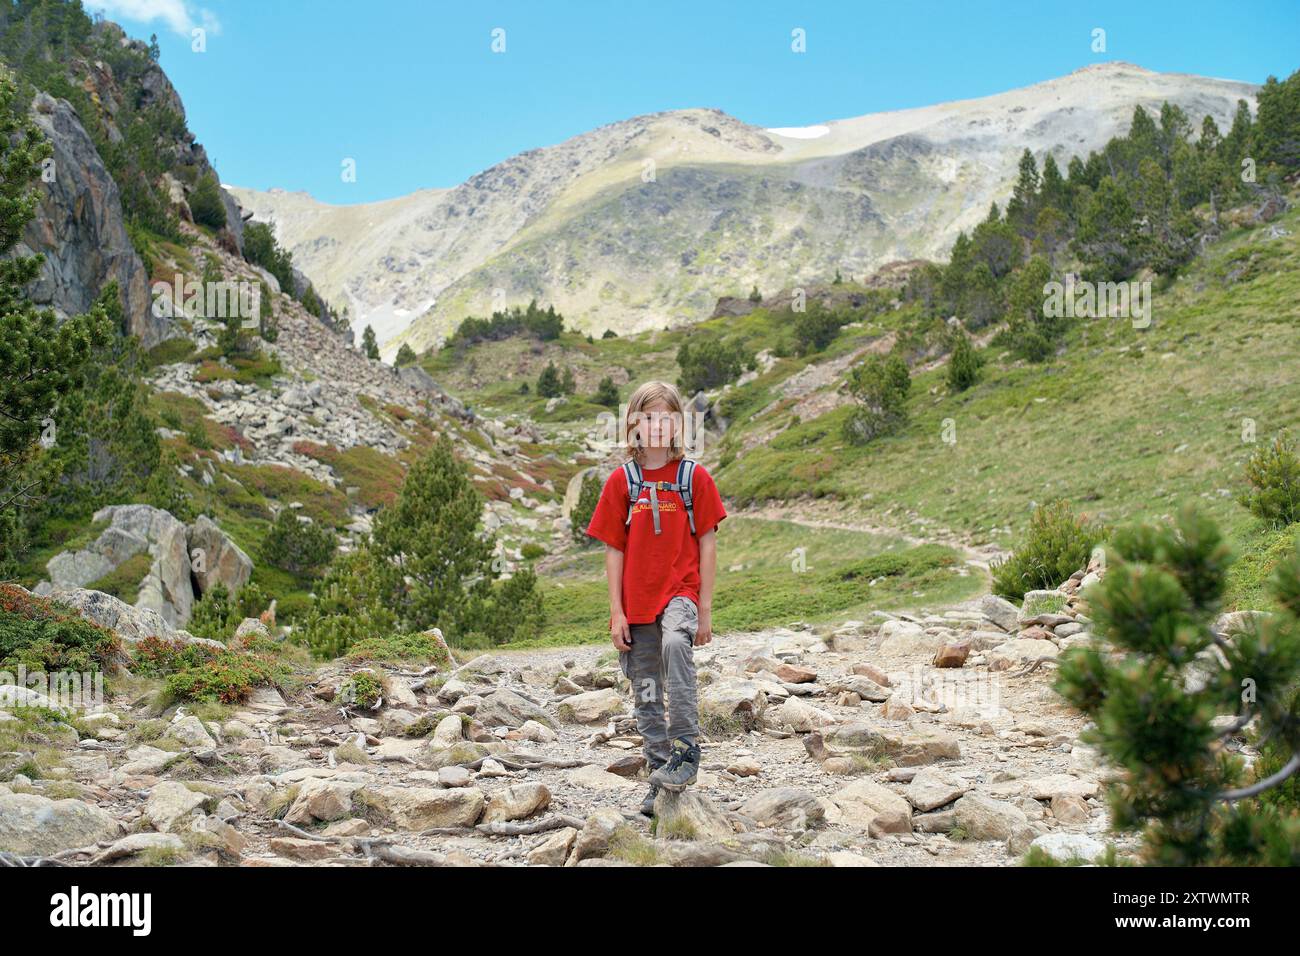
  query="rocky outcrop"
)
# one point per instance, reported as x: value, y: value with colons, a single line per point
x: 131, y: 624
x: 187, y: 561
x: 80, y: 229
x: 216, y: 559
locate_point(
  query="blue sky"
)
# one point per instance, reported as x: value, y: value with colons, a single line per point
x: 411, y: 90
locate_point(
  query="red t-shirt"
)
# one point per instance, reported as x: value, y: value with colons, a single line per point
x: 656, y: 567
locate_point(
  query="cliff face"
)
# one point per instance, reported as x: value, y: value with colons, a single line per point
x: 80, y: 229
x: 80, y: 224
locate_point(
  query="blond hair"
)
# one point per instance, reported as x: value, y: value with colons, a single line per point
x: 648, y: 394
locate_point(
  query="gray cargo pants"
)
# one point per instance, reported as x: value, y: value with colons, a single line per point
x: 663, y: 658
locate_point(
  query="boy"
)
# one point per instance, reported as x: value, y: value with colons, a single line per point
x: 660, y: 572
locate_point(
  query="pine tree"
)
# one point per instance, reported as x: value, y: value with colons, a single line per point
x: 405, y: 356
x: 205, y: 203
x: 580, y: 517
x: 1022, y: 209
x: 431, y: 535
x: 963, y: 364
x: 368, y: 344
x: 606, y: 393
x: 880, y: 387
x: 548, y: 383
x: 1164, y: 691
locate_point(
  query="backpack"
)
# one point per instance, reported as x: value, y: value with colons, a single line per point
x: 683, y: 486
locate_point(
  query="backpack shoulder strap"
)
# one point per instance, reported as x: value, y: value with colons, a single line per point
x: 632, y: 471
x: 686, y: 488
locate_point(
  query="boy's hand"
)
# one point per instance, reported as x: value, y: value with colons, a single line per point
x: 619, y: 633
x: 704, y: 632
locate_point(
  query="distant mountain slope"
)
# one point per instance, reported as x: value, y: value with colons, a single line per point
x: 730, y: 206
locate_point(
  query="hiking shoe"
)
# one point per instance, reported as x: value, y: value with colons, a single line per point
x: 682, y: 767
x: 648, y: 804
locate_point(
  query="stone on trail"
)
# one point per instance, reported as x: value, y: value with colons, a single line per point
x: 505, y: 708
x: 1065, y: 847
x: 800, y: 717
x: 596, y: 833
x: 191, y: 733
x: 32, y: 825
x: 419, y: 808
x: 952, y: 655
x: 738, y: 701
x: 783, y: 806
x: 795, y: 674
x: 983, y: 818
x: 308, y: 851
x: 865, y: 687
x: 873, y: 807
x: 1070, y: 809
x: 690, y: 815
x: 449, y: 731
x: 591, y: 707
x: 171, y: 804
x: 915, y: 746
x: 454, y: 776
x: 1019, y: 651
x: 906, y: 638
x: 517, y: 802
x: 873, y: 672
x: 322, y: 800
x: 591, y: 777
x: 1000, y: 611
x: 553, y: 850
x: 933, y: 787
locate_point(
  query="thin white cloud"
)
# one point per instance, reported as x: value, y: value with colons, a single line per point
x: 181, y: 16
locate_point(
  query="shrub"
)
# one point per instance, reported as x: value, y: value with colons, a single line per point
x: 216, y: 615
x: 585, y: 507
x: 298, y: 546
x: 405, y: 356
x: 549, y: 384
x: 1057, y: 544
x: 815, y: 329
x: 1273, y: 473
x: 45, y: 637
x: 363, y: 689
x: 963, y: 364
x: 227, y: 678
x: 880, y: 387
x: 606, y: 393
x: 395, y: 648
x: 709, y: 363
x: 206, y: 205
x: 1154, y: 693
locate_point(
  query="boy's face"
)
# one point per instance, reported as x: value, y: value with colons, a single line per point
x: 656, y: 425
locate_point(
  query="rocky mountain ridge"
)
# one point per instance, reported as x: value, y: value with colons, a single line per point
x: 644, y: 223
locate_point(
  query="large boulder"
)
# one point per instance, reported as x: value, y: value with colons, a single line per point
x: 32, y: 825
x: 215, y: 558
x: 166, y: 588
